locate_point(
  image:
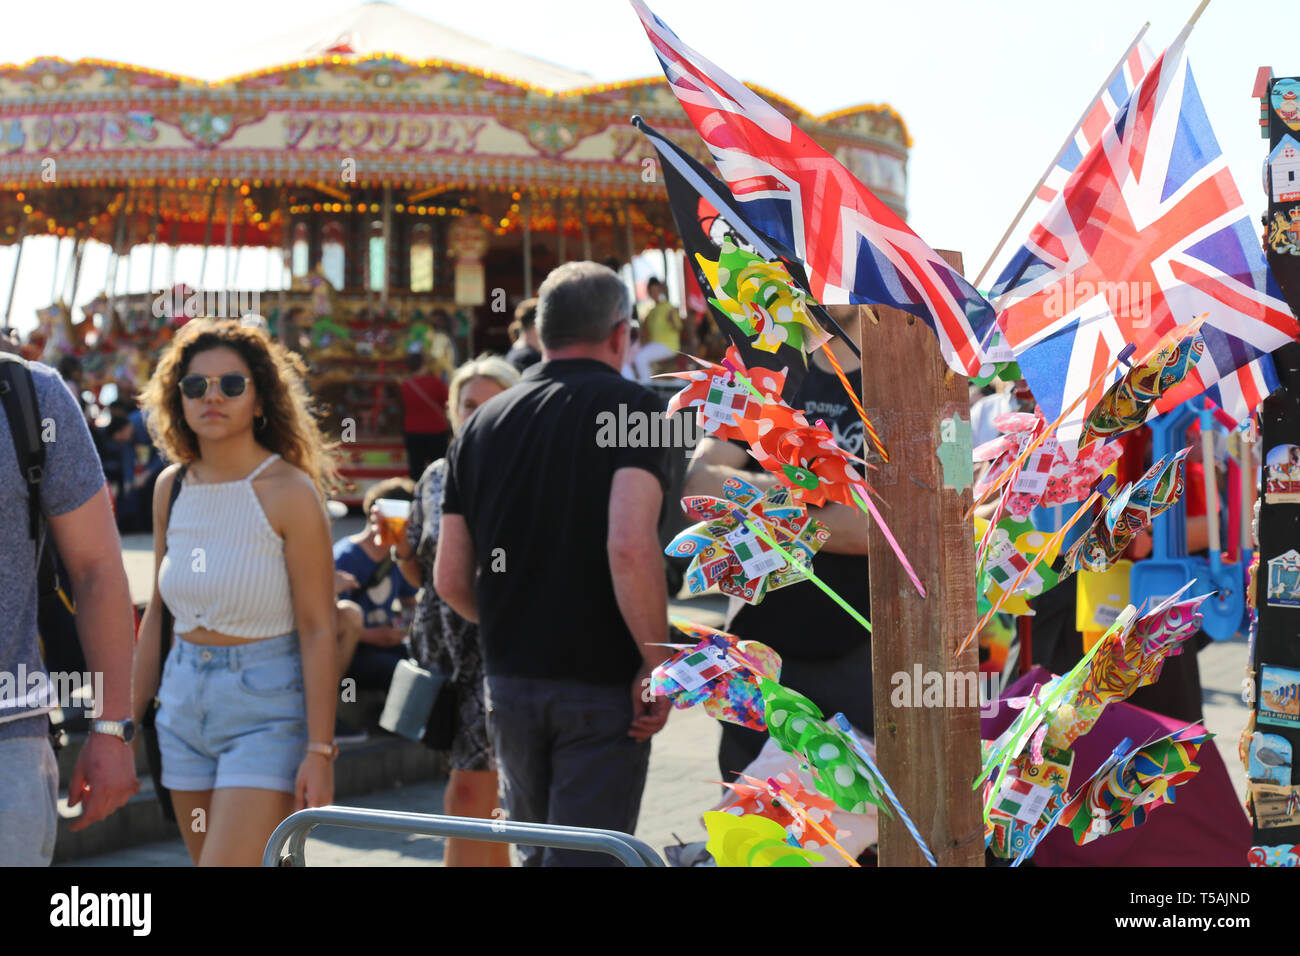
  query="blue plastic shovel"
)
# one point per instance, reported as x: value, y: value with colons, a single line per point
x: 1168, y: 568
x: 1221, y: 613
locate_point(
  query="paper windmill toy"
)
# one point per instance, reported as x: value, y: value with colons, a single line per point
x: 726, y: 551
x: 1028, y: 800
x: 1048, y: 477
x: 763, y: 301
x: 721, y: 399
x: 721, y: 671
x: 796, y: 723
x: 804, y: 457
x: 1123, y: 796
x: 1013, y: 545
x: 752, y: 840
x: 1131, y: 510
x: 1127, y: 403
x: 1133, y: 658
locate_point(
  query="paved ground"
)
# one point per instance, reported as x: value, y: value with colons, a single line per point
x: 683, y: 761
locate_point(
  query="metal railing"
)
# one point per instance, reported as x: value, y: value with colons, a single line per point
x: 287, y: 846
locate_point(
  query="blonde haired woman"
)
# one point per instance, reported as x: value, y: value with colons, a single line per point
x: 443, y: 639
x: 244, y: 564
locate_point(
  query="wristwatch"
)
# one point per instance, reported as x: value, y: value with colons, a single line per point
x: 329, y: 751
x: 124, y: 730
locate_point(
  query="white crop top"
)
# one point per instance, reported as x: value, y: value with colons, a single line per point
x: 224, y: 568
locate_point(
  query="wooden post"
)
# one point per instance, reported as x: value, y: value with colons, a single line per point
x: 929, y: 754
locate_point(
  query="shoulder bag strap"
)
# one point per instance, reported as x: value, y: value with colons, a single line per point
x: 168, y: 622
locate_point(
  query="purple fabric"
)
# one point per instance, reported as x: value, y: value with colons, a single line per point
x: 1205, y: 826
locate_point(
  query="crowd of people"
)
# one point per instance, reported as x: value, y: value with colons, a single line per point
x: 521, y: 523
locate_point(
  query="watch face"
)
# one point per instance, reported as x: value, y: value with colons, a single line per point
x: 128, y: 730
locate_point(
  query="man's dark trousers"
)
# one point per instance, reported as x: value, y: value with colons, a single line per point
x: 565, y: 758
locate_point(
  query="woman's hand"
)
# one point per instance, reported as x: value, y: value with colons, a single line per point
x: 315, y: 784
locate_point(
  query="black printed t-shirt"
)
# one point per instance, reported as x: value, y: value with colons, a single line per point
x: 532, y: 481
x: 799, y: 620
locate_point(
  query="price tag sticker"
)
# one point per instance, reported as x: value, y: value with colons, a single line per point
x: 1033, y: 477
x: 756, y: 559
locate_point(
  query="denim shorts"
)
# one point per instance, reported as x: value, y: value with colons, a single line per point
x: 232, y: 716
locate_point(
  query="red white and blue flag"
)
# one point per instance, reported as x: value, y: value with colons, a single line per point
x: 855, y: 248
x: 1100, y: 115
x: 1148, y: 233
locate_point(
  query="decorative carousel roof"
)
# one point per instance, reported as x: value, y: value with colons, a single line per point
x: 373, y: 97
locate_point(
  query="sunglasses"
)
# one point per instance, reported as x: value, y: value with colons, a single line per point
x: 196, y: 386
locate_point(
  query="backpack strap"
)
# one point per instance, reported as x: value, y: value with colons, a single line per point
x: 18, y: 393
x: 168, y: 622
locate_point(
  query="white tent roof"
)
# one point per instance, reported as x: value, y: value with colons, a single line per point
x: 378, y: 27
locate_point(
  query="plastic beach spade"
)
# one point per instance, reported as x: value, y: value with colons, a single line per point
x: 1169, y: 567
x: 1221, y: 614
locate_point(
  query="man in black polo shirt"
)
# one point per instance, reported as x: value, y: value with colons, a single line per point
x: 826, y: 655
x: 550, y: 541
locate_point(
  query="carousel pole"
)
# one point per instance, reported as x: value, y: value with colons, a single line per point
x: 54, y: 281
x: 230, y: 230
x: 153, y: 237
x: 627, y: 238
x: 207, y: 236
x: 79, y: 250
x: 388, y: 247
x: 114, y: 259
x: 559, y: 230
x: 286, y: 233
x: 526, y: 217
x: 18, y: 259
x: 586, y: 229
x: 171, y: 253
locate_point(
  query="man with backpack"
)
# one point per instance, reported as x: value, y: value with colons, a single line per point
x: 53, y: 494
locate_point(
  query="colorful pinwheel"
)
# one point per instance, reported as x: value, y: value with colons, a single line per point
x: 1132, y: 787
x: 720, y: 398
x: 763, y: 301
x: 796, y: 724
x: 1133, y: 658
x: 1028, y: 799
x: 1131, y: 510
x: 1013, y: 545
x: 1048, y: 477
x: 726, y: 550
x: 721, y: 672
x: 752, y: 840
x: 1127, y: 403
x: 804, y: 457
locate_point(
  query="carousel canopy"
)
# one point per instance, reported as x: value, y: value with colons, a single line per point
x: 372, y: 104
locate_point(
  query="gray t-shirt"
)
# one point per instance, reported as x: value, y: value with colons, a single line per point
x: 73, y: 474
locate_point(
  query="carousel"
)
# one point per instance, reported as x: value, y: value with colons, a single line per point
x: 412, y: 182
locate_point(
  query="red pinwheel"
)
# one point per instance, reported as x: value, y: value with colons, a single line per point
x: 720, y: 398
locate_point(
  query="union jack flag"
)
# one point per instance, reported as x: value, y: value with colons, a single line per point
x: 1148, y: 232
x: 1099, y: 116
x: 854, y: 247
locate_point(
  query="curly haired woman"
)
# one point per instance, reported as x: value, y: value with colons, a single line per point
x: 247, y: 693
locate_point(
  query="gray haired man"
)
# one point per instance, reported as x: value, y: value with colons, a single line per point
x: 549, y: 540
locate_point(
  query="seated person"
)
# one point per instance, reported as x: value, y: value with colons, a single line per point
x: 370, y: 645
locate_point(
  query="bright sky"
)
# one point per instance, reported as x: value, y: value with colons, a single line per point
x: 988, y: 90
